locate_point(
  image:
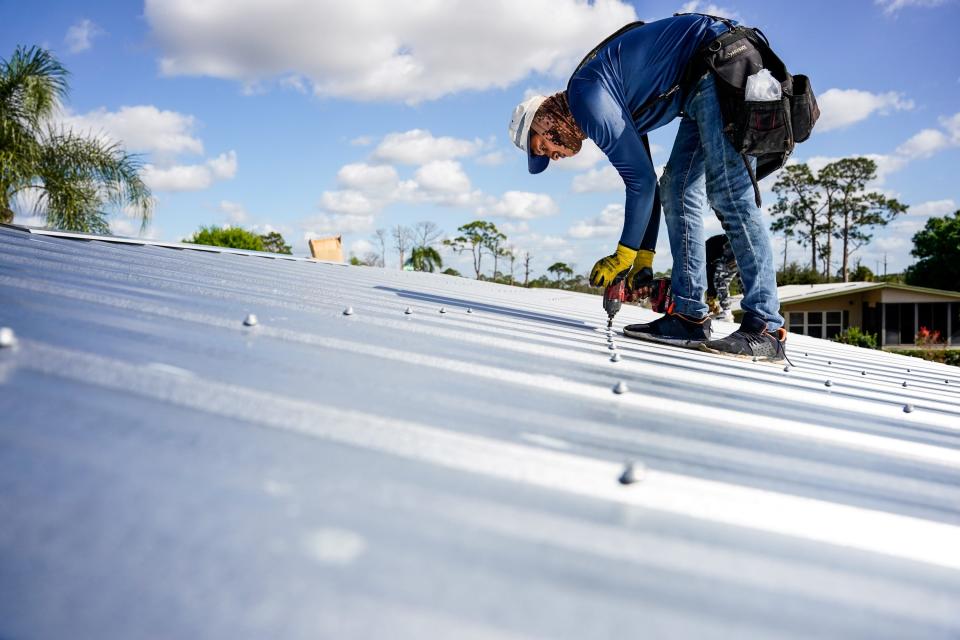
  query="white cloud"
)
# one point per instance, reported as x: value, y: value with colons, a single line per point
x: 162, y: 134
x: 537, y: 243
x: 933, y: 208
x: 445, y: 176
x: 380, y: 179
x: 695, y: 6
x: 890, y: 7
x: 921, y: 145
x: 410, y: 51
x: 418, y: 146
x: 841, y: 108
x: 924, y: 144
x: 362, y: 141
x: 235, y: 212
x: 608, y: 224
x: 515, y: 227
x: 952, y: 126
x: 81, y: 34
x: 605, y: 178
x: 492, y: 159
x: 194, y: 177
x: 519, y: 205
x: 224, y: 166
x: 322, y: 225
x: 361, y: 247
x: 294, y: 82
x: 141, y: 129
x: 349, y: 202
x: 886, y: 164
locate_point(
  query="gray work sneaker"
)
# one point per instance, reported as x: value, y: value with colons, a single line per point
x: 673, y: 329
x: 751, y: 340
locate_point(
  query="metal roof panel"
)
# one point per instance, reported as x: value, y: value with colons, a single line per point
x: 384, y: 473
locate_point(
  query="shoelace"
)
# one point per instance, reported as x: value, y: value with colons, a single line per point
x: 759, y: 338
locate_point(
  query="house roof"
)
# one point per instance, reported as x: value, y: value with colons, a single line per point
x: 808, y: 292
x: 170, y: 471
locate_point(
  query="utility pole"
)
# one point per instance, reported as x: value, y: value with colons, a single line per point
x: 884, y: 265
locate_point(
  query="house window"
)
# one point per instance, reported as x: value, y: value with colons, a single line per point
x: 892, y: 323
x: 932, y: 316
x: 817, y: 324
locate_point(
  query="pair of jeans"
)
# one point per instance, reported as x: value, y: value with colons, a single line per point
x: 704, y: 168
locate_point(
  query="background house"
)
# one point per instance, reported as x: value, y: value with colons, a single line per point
x: 895, y: 312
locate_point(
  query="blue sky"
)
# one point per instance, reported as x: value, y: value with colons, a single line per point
x: 316, y: 118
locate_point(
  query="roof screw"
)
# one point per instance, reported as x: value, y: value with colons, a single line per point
x: 7, y: 337
x: 908, y: 408
x: 408, y: 311
x: 829, y: 362
x: 904, y: 383
x: 631, y: 473
x: 863, y: 373
x: 442, y: 310
x: 615, y: 357
x: 250, y: 320
x: 908, y: 370
x: 612, y: 347
x: 946, y: 382
x: 348, y: 311
x: 786, y: 367
x: 620, y: 387
x: 828, y: 383
x: 754, y: 358
x: 469, y: 310
x: 806, y: 355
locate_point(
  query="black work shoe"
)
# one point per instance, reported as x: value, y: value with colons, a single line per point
x: 673, y: 329
x: 751, y: 340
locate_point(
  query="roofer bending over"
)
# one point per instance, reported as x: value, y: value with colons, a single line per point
x: 637, y: 80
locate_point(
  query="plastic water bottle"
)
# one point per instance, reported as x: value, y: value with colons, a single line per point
x: 762, y: 87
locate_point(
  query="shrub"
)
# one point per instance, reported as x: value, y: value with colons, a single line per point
x: 858, y: 338
x: 233, y: 237
x: 946, y: 356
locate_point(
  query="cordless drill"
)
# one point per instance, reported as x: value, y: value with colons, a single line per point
x: 657, y: 290
x: 613, y: 297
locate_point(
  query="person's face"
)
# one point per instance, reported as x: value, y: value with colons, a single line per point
x: 541, y: 146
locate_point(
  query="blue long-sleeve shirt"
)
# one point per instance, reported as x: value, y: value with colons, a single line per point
x: 625, y: 74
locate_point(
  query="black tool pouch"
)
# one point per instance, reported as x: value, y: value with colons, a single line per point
x: 803, y: 108
x: 769, y: 130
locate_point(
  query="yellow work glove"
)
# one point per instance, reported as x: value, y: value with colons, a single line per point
x: 613, y: 267
x: 642, y: 273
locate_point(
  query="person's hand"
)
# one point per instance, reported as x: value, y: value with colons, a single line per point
x: 639, y: 283
x: 641, y: 276
x: 613, y: 267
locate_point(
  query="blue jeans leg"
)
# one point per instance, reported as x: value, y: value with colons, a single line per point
x: 730, y: 193
x: 684, y: 196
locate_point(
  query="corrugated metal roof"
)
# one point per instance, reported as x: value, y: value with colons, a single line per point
x: 167, y: 471
x: 797, y: 292
x: 790, y: 291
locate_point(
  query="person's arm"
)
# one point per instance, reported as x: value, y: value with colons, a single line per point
x: 612, y: 129
x: 649, y: 242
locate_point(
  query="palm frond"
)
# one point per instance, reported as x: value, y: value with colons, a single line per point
x: 84, y: 175
x: 33, y: 84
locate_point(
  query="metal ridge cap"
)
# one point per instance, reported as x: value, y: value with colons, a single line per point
x: 72, y: 235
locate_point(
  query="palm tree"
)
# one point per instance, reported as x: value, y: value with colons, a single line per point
x: 75, y: 179
x: 560, y: 269
x: 425, y: 259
